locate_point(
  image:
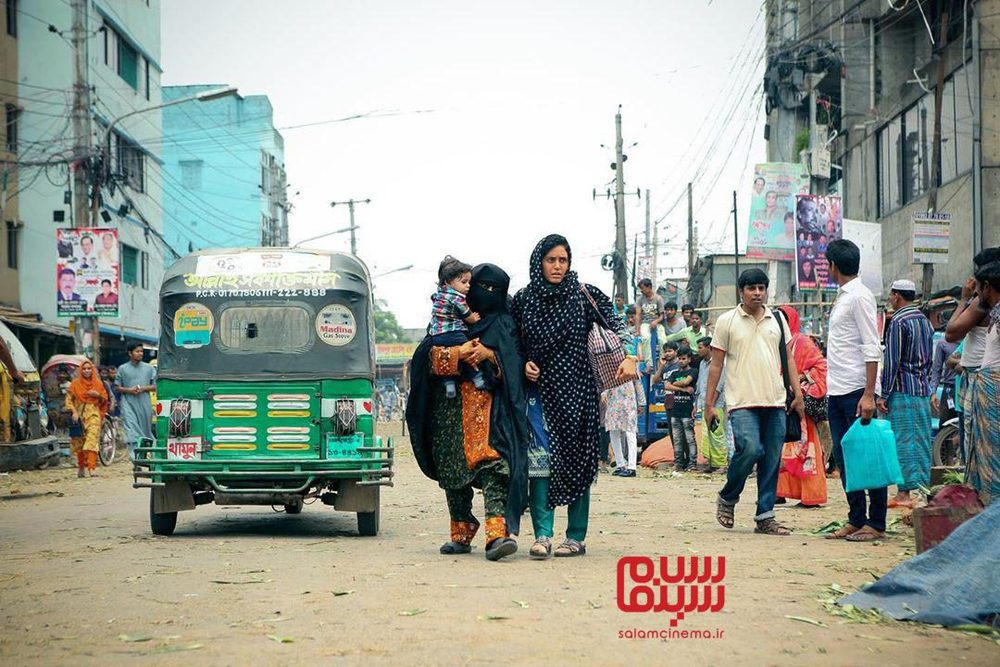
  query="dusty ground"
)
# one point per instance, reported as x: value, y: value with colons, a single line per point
x: 84, y: 582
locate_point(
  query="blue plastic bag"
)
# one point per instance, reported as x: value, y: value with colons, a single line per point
x: 870, y: 459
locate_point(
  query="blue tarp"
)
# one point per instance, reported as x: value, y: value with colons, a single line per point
x: 955, y: 583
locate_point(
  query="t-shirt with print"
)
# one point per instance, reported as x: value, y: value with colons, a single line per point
x: 649, y: 309
x: 683, y: 401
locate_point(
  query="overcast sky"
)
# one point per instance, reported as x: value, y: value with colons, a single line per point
x: 487, y: 120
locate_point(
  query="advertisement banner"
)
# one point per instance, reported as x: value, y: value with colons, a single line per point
x: 87, y: 271
x: 394, y: 354
x: 772, y: 209
x: 931, y: 233
x: 868, y: 237
x: 818, y: 221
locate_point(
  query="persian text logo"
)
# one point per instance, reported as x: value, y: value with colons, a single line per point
x: 674, y: 584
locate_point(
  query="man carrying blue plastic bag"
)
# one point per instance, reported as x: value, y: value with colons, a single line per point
x: 851, y: 382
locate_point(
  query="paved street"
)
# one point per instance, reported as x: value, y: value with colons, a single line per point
x: 84, y: 582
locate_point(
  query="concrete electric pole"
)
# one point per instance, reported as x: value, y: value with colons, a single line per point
x: 82, y: 151
x: 621, y: 279
x: 350, y: 206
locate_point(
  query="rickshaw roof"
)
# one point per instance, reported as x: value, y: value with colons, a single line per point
x: 265, y: 260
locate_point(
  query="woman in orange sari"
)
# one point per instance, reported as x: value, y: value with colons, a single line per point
x: 803, y: 474
x: 87, y: 401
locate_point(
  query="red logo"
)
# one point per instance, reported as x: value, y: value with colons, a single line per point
x: 674, y: 584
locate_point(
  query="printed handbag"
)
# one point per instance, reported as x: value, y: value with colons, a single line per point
x: 815, y: 407
x: 870, y: 459
x: 604, y: 349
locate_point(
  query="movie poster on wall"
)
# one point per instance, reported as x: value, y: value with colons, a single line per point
x: 772, y: 209
x: 818, y: 221
x: 87, y: 271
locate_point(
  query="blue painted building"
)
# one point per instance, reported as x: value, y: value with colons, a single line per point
x: 224, y: 183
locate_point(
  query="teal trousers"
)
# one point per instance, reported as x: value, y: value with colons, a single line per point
x: 543, y: 518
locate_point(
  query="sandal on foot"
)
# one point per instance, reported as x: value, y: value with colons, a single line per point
x: 842, y: 532
x: 570, y: 548
x: 866, y: 534
x: 724, y: 514
x: 452, y: 548
x: 501, y: 547
x: 771, y: 527
x: 541, y: 549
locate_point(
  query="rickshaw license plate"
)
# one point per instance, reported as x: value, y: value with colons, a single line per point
x: 343, y: 446
x: 183, y: 449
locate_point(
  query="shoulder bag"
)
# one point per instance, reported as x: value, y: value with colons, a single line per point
x: 793, y: 423
x: 604, y: 349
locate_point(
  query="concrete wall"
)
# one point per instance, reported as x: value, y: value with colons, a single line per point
x: 989, y: 35
x: 214, y: 153
x: 46, y: 60
x: 8, y: 172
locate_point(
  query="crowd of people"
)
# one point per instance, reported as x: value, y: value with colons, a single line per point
x: 516, y: 402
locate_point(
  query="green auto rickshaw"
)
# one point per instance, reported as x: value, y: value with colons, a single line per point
x: 265, y: 387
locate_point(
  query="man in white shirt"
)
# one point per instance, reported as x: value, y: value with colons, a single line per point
x: 853, y: 354
x: 748, y: 343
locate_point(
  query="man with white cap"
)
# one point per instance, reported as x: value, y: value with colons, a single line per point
x: 906, y: 388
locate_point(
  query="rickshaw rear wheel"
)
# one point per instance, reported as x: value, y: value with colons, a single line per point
x: 161, y: 523
x: 109, y: 439
x: 368, y: 521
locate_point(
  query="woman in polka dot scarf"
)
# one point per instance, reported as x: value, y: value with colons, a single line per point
x: 553, y: 318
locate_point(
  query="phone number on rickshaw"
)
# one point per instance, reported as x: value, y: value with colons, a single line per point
x: 272, y: 293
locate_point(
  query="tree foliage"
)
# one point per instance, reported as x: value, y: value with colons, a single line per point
x: 387, y: 329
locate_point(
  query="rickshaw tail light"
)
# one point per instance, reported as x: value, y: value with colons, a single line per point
x: 345, y: 417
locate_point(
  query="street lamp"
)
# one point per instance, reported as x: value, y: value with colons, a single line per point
x: 204, y: 96
x: 399, y: 270
x: 319, y: 236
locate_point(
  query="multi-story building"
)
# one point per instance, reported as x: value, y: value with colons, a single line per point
x: 896, y: 92
x: 122, y: 50
x: 9, y: 218
x: 224, y: 172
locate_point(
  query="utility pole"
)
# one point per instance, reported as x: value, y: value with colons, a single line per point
x: 692, y: 251
x: 656, y: 244
x: 736, y: 246
x: 82, y: 150
x: 350, y: 207
x: 621, y: 280
x: 927, y: 279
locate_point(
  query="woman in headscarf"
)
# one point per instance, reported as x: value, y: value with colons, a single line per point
x: 87, y: 401
x: 803, y: 473
x: 553, y: 318
x: 479, y: 438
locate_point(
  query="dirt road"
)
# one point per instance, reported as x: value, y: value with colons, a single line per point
x: 84, y: 582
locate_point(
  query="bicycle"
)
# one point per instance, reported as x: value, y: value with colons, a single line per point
x: 109, y: 441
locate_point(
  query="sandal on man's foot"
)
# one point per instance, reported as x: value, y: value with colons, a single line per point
x: 724, y: 514
x: 842, y: 532
x: 771, y: 527
x: 541, y: 549
x: 570, y: 548
x: 866, y: 534
x: 501, y: 547
x: 453, y: 548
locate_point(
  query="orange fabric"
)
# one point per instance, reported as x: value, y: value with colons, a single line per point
x: 495, y: 527
x: 444, y: 361
x: 86, y: 459
x: 80, y: 385
x: 810, y: 489
x: 462, y: 532
x: 476, y: 406
x: 808, y: 359
x: 658, y: 453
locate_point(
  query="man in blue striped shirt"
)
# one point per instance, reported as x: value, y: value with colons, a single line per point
x: 906, y: 388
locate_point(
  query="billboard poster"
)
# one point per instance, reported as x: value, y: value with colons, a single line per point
x: 818, y: 221
x: 931, y: 233
x: 868, y: 237
x: 87, y: 271
x: 772, y: 209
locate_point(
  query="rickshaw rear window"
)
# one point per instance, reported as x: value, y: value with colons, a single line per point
x: 265, y: 329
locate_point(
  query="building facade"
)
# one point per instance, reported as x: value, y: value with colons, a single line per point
x: 122, y: 50
x: 224, y: 169
x: 10, y: 221
x: 886, y: 102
